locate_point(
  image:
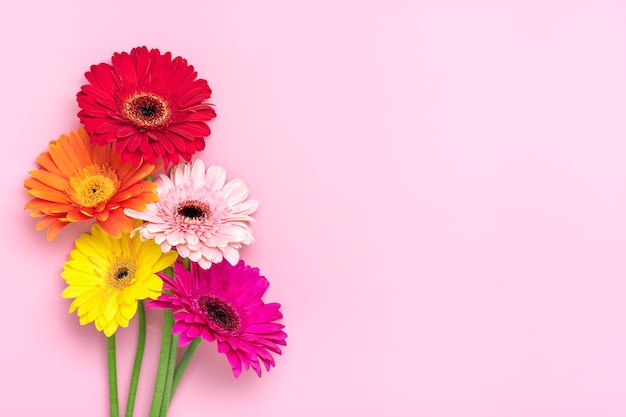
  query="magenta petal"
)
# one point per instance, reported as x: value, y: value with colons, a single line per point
x: 264, y: 328
x: 224, y: 303
x: 235, y: 362
x: 207, y: 335
x: 194, y: 331
x: 256, y: 367
x: 159, y: 304
x: 184, y: 339
x: 180, y: 327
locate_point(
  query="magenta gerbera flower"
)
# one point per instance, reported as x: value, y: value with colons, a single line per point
x: 149, y: 104
x: 223, y: 304
x: 197, y: 212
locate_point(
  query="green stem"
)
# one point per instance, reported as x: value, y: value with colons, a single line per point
x: 184, y: 362
x: 164, y: 355
x: 141, y: 344
x: 113, y: 399
x: 167, y: 392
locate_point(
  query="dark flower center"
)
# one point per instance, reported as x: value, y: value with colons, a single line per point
x: 194, y: 211
x: 220, y: 313
x: 146, y: 110
x: 121, y: 273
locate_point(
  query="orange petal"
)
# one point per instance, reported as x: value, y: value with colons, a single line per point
x: 102, y: 216
x: 45, y: 160
x: 45, y: 222
x: 140, y: 174
x: 56, y: 209
x: 82, y: 146
x: 49, y: 194
x: 71, y: 153
x: 53, y: 180
x: 35, y: 205
x: 120, y: 196
x: 54, y: 229
x: 61, y: 159
x: 76, y: 215
x: 138, y: 204
x: 117, y: 223
x: 111, y: 226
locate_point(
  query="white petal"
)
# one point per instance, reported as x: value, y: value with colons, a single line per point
x: 232, y: 233
x: 215, y: 177
x: 235, y: 192
x: 212, y: 254
x: 164, y: 183
x: 156, y: 227
x: 183, y: 251
x: 181, y: 174
x: 195, y: 256
x: 197, y: 174
x: 178, y: 236
x: 148, y: 214
x: 247, y: 207
x: 205, y: 263
x: 217, y: 241
x: 191, y: 238
x: 231, y: 255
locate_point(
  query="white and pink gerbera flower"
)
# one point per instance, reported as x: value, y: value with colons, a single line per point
x: 199, y: 214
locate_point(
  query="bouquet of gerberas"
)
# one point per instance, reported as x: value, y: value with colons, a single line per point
x: 169, y: 236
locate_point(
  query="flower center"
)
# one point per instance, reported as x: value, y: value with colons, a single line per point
x: 192, y: 211
x: 121, y: 273
x: 146, y: 110
x: 220, y: 313
x: 93, y: 185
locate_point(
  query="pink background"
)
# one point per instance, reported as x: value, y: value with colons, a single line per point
x: 443, y: 203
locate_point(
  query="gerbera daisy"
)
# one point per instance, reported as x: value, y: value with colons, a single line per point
x: 204, y: 218
x: 106, y: 277
x: 149, y: 104
x: 224, y: 304
x: 79, y: 181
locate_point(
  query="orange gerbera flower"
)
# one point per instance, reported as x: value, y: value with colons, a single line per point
x: 78, y: 181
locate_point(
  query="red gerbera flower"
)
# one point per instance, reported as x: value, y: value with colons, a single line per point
x: 149, y: 104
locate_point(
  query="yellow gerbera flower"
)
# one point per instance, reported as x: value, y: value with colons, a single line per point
x: 107, y: 276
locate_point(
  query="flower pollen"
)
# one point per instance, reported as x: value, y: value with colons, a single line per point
x: 121, y: 273
x: 146, y: 110
x: 93, y: 185
x: 220, y: 313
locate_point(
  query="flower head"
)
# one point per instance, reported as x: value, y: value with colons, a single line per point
x: 224, y: 304
x: 107, y: 276
x: 149, y: 104
x: 79, y: 181
x: 204, y: 218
